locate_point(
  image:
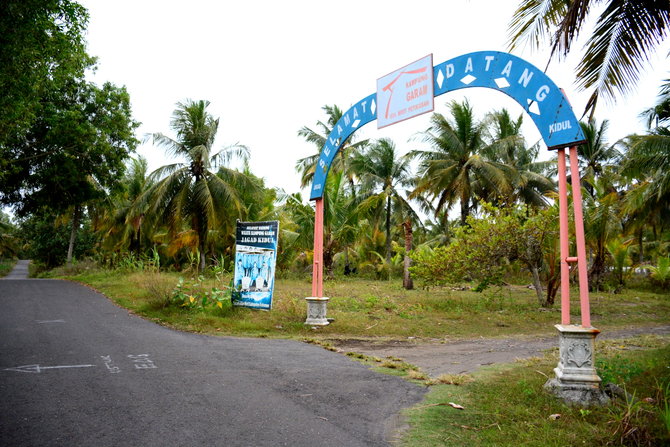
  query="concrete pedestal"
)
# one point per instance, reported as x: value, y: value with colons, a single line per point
x: 576, y: 381
x: 316, y: 311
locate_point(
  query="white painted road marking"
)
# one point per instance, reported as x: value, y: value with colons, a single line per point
x: 49, y: 321
x: 110, y: 364
x: 39, y: 369
x: 142, y: 361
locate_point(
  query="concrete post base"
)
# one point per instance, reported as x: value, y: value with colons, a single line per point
x: 576, y: 381
x: 316, y: 311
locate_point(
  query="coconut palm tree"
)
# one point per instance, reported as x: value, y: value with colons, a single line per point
x: 660, y: 113
x: 507, y: 146
x: 595, y: 154
x: 122, y: 222
x: 306, y: 166
x: 340, y: 222
x: 455, y: 167
x: 647, y: 165
x: 626, y: 32
x: 188, y: 195
x: 383, y: 173
x: 602, y: 223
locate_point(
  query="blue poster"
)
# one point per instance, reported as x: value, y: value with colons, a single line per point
x: 255, y: 262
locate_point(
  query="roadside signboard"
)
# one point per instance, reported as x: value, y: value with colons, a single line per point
x: 255, y: 263
x: 405, y: 93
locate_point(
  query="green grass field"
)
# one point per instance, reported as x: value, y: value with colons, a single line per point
x: 365, y: 308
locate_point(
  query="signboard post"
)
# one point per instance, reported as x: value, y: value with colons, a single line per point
x: 255, y: 263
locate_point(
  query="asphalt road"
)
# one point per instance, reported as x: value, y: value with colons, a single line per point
x: 76, y: 370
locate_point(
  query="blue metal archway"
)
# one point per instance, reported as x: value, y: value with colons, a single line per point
x: 526, y: 84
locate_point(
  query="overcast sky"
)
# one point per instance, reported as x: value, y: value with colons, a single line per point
x: 268, y: 67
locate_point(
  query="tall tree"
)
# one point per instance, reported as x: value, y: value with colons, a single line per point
x: 73, y: 153
x: 122, y: 222
x: 296, y: 224
x: 307, y: 165
x: 62, y: 140
x: 340, y: 220
x: 602, y: 224
x: 595, y: 155
x: 647, y: 162
x: 626, y: 32
x: 42, y: 49
x: 383, y: 173
x: 454, y: 167
x: 188, y: 194
x: 506, y: 145
x: 659, y: 114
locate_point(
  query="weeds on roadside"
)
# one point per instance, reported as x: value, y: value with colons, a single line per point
x: 132, y: 262
x: 631, y: 423
x: 6, y: 266
x: 194, y: 295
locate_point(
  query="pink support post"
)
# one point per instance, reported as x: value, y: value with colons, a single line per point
x: 564, y: 237
x: 579, y: 236
x: 317, y: 269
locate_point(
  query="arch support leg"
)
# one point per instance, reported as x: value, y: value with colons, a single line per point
x: 576, y: 380
x: 317, y: 303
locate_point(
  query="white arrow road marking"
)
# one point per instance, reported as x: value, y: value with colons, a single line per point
x: 39, y: 369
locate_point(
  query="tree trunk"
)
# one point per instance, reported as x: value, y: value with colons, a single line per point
x: 347, y: 267
x: 73, y: 234
x: 328, y: 261
x: 538, y: 287
x: 201, y: 248
x: 640, y: 243
x: 388, y: 233
x: 553, y: 276
x: 464, y: 209
x: 552, y: 290
x: 202, y: 242
x: 595, y: 275
x: 407, y: 282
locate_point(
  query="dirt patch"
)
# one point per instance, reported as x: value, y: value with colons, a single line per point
x: 466, y: 356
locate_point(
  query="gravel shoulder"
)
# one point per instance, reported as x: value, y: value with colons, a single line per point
x: 467, y: 356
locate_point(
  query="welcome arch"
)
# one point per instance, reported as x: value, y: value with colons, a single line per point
x: 576, y: 379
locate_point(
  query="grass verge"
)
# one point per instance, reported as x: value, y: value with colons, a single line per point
x: 6, y: 266
x: 369, y: 309
x: 507, y: 406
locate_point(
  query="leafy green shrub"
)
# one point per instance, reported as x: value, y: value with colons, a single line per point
x: 194, y: 295
x: 483, y: 250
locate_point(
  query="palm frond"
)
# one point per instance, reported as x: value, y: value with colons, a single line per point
x: 626, y: 32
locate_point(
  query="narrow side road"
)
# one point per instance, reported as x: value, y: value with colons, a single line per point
x: 467, y: 356
x: 20, y: 270
x: 76, y: 370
